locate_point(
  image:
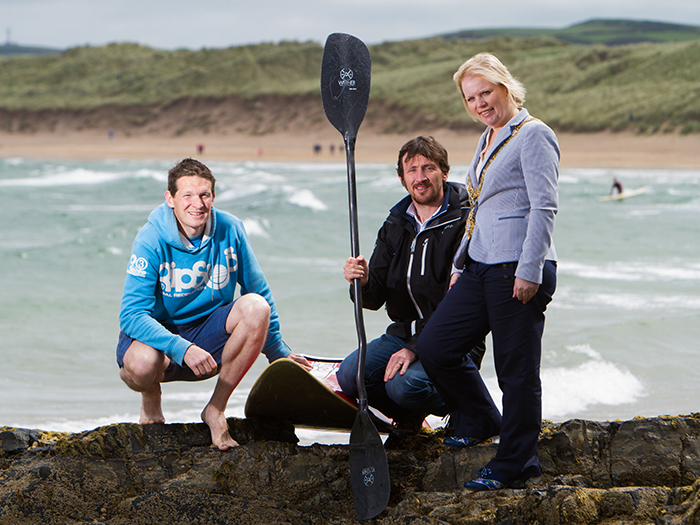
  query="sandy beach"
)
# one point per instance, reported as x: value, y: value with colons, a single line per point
x: 599, y: 150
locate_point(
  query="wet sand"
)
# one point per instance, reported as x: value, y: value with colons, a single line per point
x: 599, y: 150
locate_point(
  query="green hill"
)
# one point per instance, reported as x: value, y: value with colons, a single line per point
x: 607, y: 32
x: 644, y: 87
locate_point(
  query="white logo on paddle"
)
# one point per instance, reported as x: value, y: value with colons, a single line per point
x: 346, y: 78
x: 368, y: 476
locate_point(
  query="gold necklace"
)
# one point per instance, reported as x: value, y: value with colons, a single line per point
x: 475, y: 193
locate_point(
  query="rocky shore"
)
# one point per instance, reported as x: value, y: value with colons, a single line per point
x: 638, y: 471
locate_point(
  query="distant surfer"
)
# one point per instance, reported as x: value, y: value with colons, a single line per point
x: 179, y: 320
x: 409, y: 273
x: 616, y: 188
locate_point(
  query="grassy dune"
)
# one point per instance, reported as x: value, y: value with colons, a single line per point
x: 645, y: 87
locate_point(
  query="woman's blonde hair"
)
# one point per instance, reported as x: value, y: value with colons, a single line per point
x: 487, y: 66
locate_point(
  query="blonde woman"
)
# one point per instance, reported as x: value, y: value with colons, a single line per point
x: 504, y: 276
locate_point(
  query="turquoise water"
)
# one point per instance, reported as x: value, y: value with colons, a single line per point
x: 621, y: 337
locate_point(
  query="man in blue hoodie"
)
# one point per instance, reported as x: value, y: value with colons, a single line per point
x: 179, y: 320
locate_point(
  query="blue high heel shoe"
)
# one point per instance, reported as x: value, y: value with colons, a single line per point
x: 484, y: 482
x: 460, y: 442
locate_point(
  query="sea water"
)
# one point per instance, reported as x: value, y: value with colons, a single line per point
x: 621, y: 335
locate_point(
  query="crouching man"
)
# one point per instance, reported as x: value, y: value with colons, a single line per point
x: 179, y: 320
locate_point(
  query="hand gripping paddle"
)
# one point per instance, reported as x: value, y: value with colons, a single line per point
x: 345, y: 81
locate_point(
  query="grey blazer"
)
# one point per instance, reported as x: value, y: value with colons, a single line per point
x: 519, y: 199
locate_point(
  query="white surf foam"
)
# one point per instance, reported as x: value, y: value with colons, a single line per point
x: 80, y: 425
x: 78, y: 176
x: 240, y: 192
x: 568, y: 391
x: 256, y: 228
x: 115, y: 208
x: 653, y: 176
x: 306, y: 199
x: 632, y: 271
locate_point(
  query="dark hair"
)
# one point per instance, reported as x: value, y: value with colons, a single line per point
x: 427, y: 147
x: 188, y: 168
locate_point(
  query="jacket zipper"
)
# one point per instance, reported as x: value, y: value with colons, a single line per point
x: 408, y: 278
x: 423, y: 257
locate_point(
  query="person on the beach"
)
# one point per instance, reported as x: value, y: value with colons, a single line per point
x: 179, y: 320
x: 409, y: 271
x: 505, y: 275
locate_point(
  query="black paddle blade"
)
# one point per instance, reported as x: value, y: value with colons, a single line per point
x: 369, y: 470
x: 346, y: 73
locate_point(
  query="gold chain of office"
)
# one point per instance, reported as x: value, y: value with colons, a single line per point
x: 474, y: 194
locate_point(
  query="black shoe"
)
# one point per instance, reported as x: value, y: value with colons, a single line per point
x: 409, y: 426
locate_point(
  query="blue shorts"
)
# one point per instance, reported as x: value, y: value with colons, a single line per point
x: 208, y: 333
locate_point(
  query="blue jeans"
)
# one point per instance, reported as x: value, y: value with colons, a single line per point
x: 399, y: 397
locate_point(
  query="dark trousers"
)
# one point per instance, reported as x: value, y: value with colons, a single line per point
x: 481, y: 301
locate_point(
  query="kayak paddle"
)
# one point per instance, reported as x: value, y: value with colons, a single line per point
x: 345, y: 82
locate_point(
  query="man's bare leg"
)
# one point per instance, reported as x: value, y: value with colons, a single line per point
x: 151, y: 409
x: 143, y: 370
x: 247, y: 323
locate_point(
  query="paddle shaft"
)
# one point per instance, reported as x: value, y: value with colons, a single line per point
x: 349, y: 140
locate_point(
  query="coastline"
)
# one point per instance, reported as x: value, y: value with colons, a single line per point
x: 595, y: 150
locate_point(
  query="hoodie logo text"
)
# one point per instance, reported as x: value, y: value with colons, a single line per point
x: 179, y: 282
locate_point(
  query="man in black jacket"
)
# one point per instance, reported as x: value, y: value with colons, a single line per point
x: 409, y: 271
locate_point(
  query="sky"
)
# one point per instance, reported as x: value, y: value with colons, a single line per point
x: 197, y: 24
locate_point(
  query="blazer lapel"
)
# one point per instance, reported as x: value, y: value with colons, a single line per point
x: 503, y: 135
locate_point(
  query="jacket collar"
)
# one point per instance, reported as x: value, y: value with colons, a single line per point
x: 451, y: 198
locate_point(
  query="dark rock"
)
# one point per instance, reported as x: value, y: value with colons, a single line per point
x: 16, y: 440
x: 639, y: 471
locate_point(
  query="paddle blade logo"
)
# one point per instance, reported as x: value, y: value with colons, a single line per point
x: 368, y: 476
x: 346, y: 79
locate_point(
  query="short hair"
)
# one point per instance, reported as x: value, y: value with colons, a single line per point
x: 188, y: 168
x: 427, y: 147
x: 487, y: 66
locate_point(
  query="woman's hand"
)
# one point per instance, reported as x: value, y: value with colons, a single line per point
x: 524, y: 290
x: 453, y: 279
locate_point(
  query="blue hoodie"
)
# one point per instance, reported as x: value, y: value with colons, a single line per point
x: 169, y: 281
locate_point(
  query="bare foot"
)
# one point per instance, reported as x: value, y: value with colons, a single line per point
x: 216, y: 421
x: 151, y: 410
